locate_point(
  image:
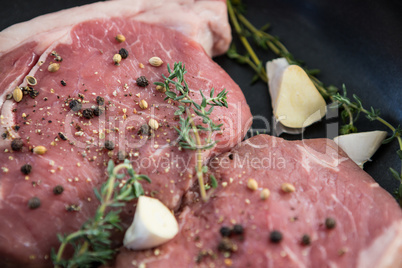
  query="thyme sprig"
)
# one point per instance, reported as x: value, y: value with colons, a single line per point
x: 92, y: 242
x: 189, y: 131
x: 351, y: 108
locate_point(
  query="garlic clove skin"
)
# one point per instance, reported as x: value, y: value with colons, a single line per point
x: 295, y: 100
x: 360, y: 147
x: 153, y: 225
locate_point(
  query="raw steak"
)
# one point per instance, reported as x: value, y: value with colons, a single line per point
x: 76, y: 155
x: 368, y: 221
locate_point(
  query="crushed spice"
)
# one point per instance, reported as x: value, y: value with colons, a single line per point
x: 17, y: 144
x: 88, y: 113
x: 34, y: 203
x: 75, y: 105
x: 58, y: 189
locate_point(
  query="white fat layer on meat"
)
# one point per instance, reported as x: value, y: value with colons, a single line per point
x: 184, y: 15
x: 385, y: 250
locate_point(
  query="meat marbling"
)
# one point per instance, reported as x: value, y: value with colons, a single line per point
x: 78, y: 163
x: 368, y: 221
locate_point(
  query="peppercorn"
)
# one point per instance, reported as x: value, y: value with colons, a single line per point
x: 34, y: 203
x: 142, y: 81
x: 121, y: 155
x: 117, y: 59
x: 75, y: 105
x: 100, y: 100
x: 275, y: 236
x: 231, y: 156
x: 26, y: 169
x: 109, y: 145
x: 62, y: 136
x: 123, y: 53
x: 144, y: 130
x: 63, y: 83
x: 58, y: 189
x: 17, y: 144
x: 238, y: 229
x: 306, y: 240
x: 330, y: 223
x: 225, y: 231
x: 88, y: 113
x: 98, y: 111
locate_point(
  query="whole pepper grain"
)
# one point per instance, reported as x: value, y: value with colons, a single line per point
x: 225, y: 231
x: 109, y: 145
x: 26, y: 169
x: 123, y: 53
x: 100, y: 100
x: 88, y: 113
x: 142, y: 81
x: 330, y: 223
x: 17, y: 144
x: 98, y: 111
x: 275, y: 237
x: 238, y: 229
x: 34, y: 203
x: 58, y: 189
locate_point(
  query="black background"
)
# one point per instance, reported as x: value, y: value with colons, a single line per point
x: 353, y: 42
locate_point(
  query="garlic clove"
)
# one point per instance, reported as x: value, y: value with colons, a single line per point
x: 295, y: 100
x: 360, y: 147
x: 152, y: 226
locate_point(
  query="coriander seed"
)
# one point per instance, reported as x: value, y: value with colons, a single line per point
x: 117, y: 59
x: 120, y: 38
x: 31, y: 80
x: 41, y: 150
x: 252, y: 184
x: 54, y: 67
x: 17, y: 94
x: 288, y: 188
x: 143, y: 104
x: 155, y: 61
x: 153, y: 124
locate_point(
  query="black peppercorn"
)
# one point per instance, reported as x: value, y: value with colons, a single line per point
x: 121, y: 155
x: 225, y: 231
x: 144, y: 130
x: 231, y: 156
x: 17, y: 144
x: 330, y: 223
x: 75, y: 105
x: 237, y: 229
x: 34, y: 203
x: 62, y: 136
x: 88, y: 113
x: 63, y: 83
x: 275, y: 236
x: 100, y: 100
x: 109, y: 145
x: 98, y: 111
x: 58, y: 189
x: 306, y: 240
x: 123, y: 53
x: 142, y: 81
x: 26, y: 169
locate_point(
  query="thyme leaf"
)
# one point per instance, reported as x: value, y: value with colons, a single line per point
x: 351, y: 109
x: 92, y: 244
x: 189, y: 131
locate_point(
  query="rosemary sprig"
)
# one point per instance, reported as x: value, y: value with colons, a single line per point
x: 351, y: 109
x: 92, y: 242
x: 190, y: 131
